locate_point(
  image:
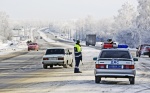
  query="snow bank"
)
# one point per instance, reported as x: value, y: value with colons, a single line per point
x: 12, y: 46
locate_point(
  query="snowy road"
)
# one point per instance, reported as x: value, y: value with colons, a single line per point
x: 24, y: 74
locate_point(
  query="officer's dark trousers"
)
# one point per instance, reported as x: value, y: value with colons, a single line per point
x: 77, y: 62
x: 77, y: 59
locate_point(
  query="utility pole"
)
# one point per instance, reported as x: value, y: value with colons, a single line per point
x: 82, y: 33
x: 70, y: 34
x: 76, y: 34
x: 79, y: 33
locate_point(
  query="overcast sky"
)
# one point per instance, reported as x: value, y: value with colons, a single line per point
x: 62, y: 9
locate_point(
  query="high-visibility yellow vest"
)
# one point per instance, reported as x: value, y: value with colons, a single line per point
x: 78, y: 48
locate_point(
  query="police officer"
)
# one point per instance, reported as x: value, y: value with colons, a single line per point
x: 78, y: 56
x: 110, y: 41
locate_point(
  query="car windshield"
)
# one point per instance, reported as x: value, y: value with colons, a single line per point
x: 147, y: 47
x: 142, y: 46
x: 55, y: 51
x: 115, y: 54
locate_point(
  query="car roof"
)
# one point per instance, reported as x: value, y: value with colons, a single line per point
x: 116, y: 49
x: 145, y: 45
x: 56, y: 48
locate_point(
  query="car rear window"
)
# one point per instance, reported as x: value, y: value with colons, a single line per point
x: 33, y: 44
x: 115, y: 54
x: 55, y: 51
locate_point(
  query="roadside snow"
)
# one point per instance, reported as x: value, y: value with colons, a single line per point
x: 12, y: 46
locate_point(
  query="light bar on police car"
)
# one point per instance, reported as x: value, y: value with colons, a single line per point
x: 107, y: 45
x: 122, y: 46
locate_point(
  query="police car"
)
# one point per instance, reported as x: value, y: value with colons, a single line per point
x: 115, y: 61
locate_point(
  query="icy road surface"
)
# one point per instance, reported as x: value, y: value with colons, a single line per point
x: 24, y: 74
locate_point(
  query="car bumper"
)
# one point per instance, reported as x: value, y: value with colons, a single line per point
x: 53, y: 62
x: 32, y: 48
x: 115, y: 73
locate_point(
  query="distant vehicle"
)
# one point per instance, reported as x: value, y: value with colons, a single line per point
x: 57, y: 56
x: 115, y: 63
x: 41, y: 37
x: 91, y: 39
x: 33, y: 46
x: 141, y: 48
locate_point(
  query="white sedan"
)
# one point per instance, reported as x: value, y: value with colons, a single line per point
x: 57, y: 56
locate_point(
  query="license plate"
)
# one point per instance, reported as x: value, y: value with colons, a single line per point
x: 52, y: 58
x: 114, y: 66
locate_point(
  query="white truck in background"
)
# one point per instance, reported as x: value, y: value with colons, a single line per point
x: 91, y: 39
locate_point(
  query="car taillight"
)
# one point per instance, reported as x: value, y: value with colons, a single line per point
x: 100, y: 66
x: 60, y: 58
x: 45, y: 58
x: 128, y: 67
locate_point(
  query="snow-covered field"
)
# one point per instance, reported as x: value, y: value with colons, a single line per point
x: 7, y: 48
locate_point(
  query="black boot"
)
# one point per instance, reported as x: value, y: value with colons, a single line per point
x: 76, y: 70
x: 79, y: 72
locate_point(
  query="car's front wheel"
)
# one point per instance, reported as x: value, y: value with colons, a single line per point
x: 44, y: 66
x: 97, y: 79
x: 132, y: 80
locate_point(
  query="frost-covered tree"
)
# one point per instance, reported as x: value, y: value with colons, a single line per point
x: 5, y: 32
x: 104, y: 29
x: 124, y: 21
x: 129, y: 37
x: 84, y: 26
x: 143, y: 21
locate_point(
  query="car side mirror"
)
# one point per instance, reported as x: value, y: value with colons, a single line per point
x: 95, y: 58
x: 135, y: 59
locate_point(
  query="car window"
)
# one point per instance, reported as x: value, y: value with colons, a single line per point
x: 33, y: 44
x: 115, y: 54
x: 142, y: 46
x: 55, y: 51
x: 30, y: 44
x: 147, y: 47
